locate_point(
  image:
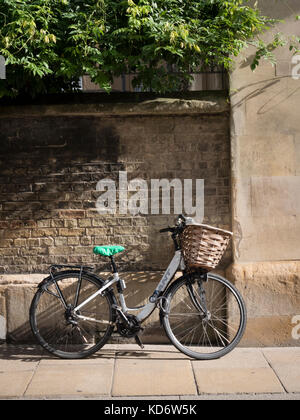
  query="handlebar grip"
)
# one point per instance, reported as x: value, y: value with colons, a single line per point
x: 166, y: 230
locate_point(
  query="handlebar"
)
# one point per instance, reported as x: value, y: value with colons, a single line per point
x: 180, y: 224
x: 168, y: 229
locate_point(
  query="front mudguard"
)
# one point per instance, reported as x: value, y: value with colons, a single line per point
x: 188, y: 276
x: 162, y: 311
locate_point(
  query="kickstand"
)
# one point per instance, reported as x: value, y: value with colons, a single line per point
x: 138, y: 341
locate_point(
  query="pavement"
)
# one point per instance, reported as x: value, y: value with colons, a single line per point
x: 158, y: 372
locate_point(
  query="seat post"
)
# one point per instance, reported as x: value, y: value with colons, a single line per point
x: 113, y: 264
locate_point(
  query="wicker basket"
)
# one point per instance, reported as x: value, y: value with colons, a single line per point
x: 203, y: 246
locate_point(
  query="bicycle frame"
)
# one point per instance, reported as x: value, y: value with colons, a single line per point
x: 147, y: 309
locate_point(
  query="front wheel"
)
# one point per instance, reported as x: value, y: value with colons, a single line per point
x: 204, y: 318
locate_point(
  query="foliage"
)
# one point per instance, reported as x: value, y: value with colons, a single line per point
x: 49, y: 44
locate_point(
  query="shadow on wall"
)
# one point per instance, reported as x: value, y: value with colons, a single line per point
x: 51, y: 166
x: 49, y: 171
x: 259, y: 88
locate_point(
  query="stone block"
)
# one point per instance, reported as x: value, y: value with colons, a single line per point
x: 14, y: 384
x: 18, y: 300
x: 154, y: 378
x: 2, y: 328
x: 76, y: 379
x: 271, y: 291
x: 233, y: 381
x: 240, y: 371
x: 286, y: 365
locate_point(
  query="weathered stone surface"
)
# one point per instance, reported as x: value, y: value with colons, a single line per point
x: 2, y: 328
x: 3, y: 315
x: 271, y: 291
x: 9, y: 279
x: 265, y: 151
x: 265, y: 181
x: 270, y: 330
x: 18, y: 300
x: 205, y: 103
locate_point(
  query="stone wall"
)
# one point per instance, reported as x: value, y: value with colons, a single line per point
x: 265, y: 144
x: 52, y: 157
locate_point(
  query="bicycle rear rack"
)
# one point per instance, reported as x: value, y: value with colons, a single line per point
x: 76, y: 266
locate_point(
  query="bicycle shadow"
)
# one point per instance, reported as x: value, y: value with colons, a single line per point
x: 151, y: 355
x: 23, y: 352
x: 35, y: 353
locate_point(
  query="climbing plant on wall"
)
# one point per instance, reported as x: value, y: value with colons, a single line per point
x: 49, y: 44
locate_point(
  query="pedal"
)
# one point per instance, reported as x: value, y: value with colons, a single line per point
x: 138, y: 341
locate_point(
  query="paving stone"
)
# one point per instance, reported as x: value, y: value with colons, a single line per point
x: 14, y: 358
x: 17, y: 365
x: 14, y: 383
x: 286, y: 364
x: 149, y: 352
x: 126, y: 371
x: 237, y: 380
x: 98, y: 358
x: 252, y: 396
x: 242, y: 370
x: 153, y: 377
x: 71, y: 379
x: 238, y: 358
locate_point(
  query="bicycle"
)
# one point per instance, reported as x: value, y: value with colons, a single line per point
x: 74, y: 311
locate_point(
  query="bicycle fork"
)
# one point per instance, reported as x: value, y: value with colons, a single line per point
x: 199, y: 299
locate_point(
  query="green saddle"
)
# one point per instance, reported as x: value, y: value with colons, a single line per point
x: 108, y: 250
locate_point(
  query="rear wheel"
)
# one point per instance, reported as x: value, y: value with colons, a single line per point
x: 204, y: 319
x: 58, y: 328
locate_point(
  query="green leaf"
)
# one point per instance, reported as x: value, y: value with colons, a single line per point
x: 48, y: 44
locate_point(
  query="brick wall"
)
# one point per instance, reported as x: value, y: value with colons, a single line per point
x: 52, y: 160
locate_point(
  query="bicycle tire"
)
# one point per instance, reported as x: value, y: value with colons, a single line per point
x: 182, y: 339
x: 48, y: 316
